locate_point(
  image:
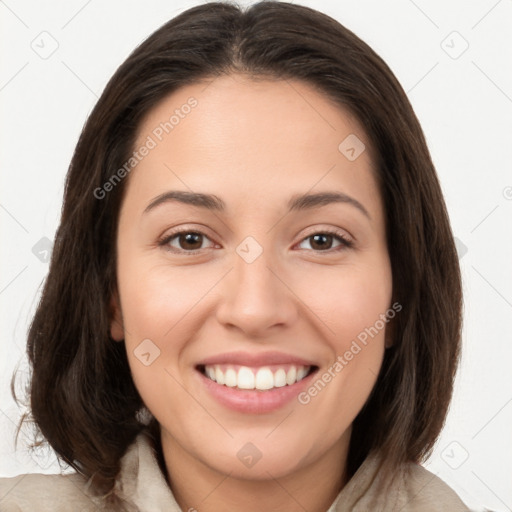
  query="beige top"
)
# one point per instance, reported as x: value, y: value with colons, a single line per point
x: 143, y: 486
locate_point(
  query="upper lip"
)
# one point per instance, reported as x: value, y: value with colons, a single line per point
x: 251, y: 359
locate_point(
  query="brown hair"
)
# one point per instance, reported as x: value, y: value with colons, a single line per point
x: 82, y: 397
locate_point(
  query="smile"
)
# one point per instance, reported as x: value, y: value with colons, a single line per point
x: 264, y: 378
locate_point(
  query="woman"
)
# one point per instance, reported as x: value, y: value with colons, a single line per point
x: 254, y: 299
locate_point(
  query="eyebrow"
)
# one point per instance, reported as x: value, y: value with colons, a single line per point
x: 212, y: 202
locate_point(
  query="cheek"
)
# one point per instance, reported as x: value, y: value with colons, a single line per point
x: 162, y: 311
x: 157, y: 313
x: 347, y: 299
x: 352, y: 303
x: 157, y: 298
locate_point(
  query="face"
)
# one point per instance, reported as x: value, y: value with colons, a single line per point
x: 253, y: 317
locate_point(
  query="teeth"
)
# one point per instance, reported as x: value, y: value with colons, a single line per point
x: 262, y: 379
x: 280, y: 378
x: 210, y: 371
x: 219, y: 376
x: 301, y: 373
x: 245, y: 378
x: 291, y: 376
x: 230, y: 379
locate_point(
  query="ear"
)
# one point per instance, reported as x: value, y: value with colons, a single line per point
x: 116, y: 318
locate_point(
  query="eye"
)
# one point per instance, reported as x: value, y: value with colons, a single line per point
x: 191, y: 241
x: 184, y: 241
x: 324, y: 240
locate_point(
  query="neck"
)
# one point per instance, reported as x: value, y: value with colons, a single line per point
x: 199, y: 487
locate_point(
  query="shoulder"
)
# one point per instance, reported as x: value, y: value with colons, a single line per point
x: 139, y: 485
x: 38, y: 492
x: 412, y: 489
x: 423, y: 490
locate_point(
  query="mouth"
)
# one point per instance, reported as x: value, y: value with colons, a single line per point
x: 255, y: 383
x: 263, y: 378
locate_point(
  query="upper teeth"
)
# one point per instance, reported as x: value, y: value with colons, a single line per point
x: 263, y: 378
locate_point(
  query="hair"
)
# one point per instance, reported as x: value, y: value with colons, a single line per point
x: 82, y: 397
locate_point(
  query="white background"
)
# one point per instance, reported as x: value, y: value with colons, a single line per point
x: 463, y: 100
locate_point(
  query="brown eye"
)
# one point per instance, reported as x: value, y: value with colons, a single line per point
x: 321, y: 241
x: 190, y: 241
x: 325, y: 241
x: 184, y: 241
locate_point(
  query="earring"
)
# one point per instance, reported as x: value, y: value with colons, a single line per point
x: 144, y: 416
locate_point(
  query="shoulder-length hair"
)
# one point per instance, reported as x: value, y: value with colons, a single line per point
x: 82, y: 397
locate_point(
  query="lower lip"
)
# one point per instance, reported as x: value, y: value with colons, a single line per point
x: 254, y: 401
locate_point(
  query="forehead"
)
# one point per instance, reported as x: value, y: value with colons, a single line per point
x: 264, y: 138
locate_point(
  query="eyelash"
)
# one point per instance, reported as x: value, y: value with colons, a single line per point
x: 345, y: 243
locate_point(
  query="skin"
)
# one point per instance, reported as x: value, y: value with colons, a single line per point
x: 252, y: 143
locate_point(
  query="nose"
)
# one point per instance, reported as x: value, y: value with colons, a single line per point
x: 256, y: 297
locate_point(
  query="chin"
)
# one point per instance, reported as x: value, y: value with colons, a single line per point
x: 277, y: 465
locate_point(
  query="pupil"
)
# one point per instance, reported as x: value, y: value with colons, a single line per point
x: 320, y: 240
x: 191, y: 239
